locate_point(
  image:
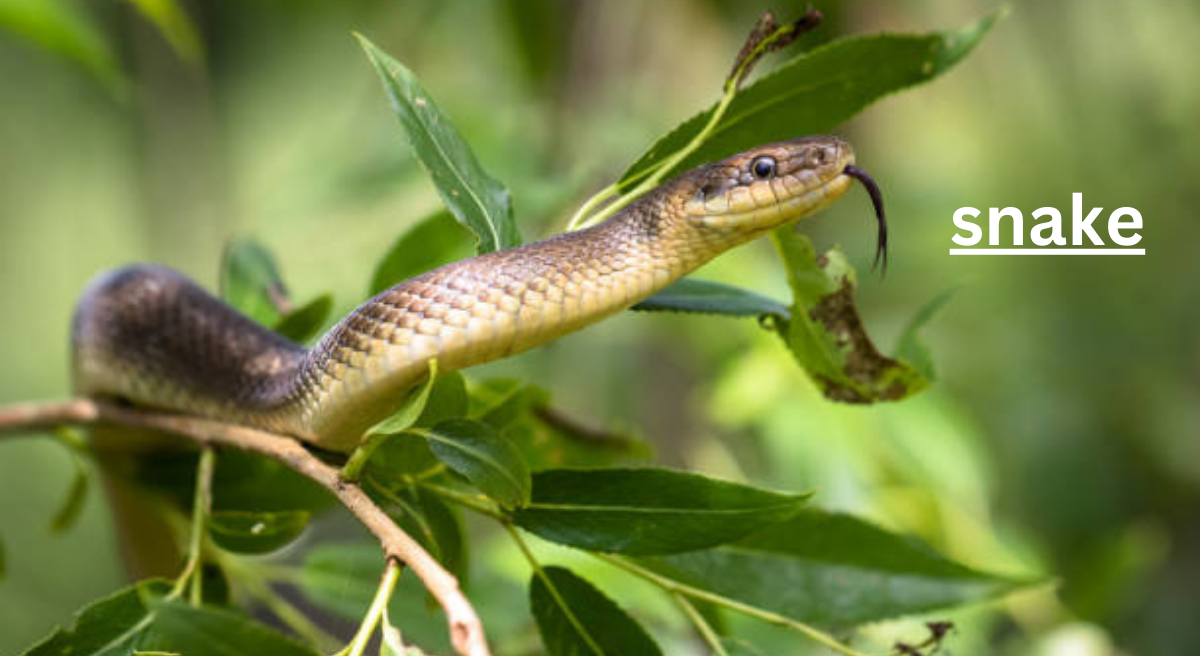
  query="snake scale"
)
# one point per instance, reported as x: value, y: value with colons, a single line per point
x: 147, y: 335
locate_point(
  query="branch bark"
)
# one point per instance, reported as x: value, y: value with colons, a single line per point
x: 466, y: 631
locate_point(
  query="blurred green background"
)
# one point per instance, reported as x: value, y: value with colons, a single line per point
x: 1061, y: 437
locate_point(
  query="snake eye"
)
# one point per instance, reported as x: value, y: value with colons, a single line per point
x: 763, y: 167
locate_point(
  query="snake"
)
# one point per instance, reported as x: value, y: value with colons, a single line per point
x: 147, y: 335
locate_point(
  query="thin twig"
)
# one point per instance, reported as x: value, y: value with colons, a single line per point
x: 706, y: 631
x: 573, y: 428
x: 193, y: 571
x: 466, y: 631
x: 387, y: 586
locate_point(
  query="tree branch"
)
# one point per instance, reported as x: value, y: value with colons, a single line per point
x: 466, y: 631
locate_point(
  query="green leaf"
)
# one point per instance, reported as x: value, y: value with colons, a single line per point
x: 825, y: 333
x: 410, y: 410
x: 910, y: 347
x: 831, y: 569
x: 478, y: 201
x: 548, y: 438
x: 170, y: 19
x: 256, y: 532
x: 112, y: 625
x: 72, y: 505
x: 709, y: 297
x: 435, y: 525
x: 447, y: 400
x: 430, y: 243
x: 537, y: 36
x: 501, y: 401
x: 251, y: 282
x: 139, y: 619
x: 3, y: 562
x: 304, y: 323
x: 478, y: 452
x: 249, y: 482
x: 647, y: 511
x: 401, y: 454
x: 184, y: 629
x: 576, y: 619
x: 61, y: 28
x: 814, y: 92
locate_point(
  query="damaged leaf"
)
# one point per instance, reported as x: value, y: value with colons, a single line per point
x: 769, y: 36
x: 827, y: 336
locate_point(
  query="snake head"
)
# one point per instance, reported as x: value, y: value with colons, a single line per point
x: 768, y: 186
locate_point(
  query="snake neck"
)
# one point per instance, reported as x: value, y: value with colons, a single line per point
x: 489, y: 307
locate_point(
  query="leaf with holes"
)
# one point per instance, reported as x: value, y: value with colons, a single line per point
x: 826, y: 335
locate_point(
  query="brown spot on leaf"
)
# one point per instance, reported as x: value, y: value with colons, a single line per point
x: 865, y: 365
x: 769, y: 36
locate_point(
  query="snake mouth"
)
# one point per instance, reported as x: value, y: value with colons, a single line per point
x: 881, y: 241
x: 767, y: 204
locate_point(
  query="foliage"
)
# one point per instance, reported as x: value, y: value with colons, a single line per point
x: 144, y: 619
x: 576, y: 618
x: 484, y: 446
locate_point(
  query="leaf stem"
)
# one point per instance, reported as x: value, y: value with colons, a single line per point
x: 590, y: 204
x: 675, y: 587
x: 201, y: 503
x: 701, y: 624
x: 353, y: 468
x: 558, y: 598
x: 656, y: 173
x: 358, y: 646
x: 470, y: 502
x: 411, y: 410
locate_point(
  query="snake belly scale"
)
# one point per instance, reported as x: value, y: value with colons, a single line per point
x: 150, y: 336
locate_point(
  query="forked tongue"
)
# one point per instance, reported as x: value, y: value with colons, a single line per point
x: 876, y: 200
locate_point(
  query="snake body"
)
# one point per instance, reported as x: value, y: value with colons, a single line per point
x: 150, y: 336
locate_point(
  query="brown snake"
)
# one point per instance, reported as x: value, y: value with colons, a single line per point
x: 148, y: 335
